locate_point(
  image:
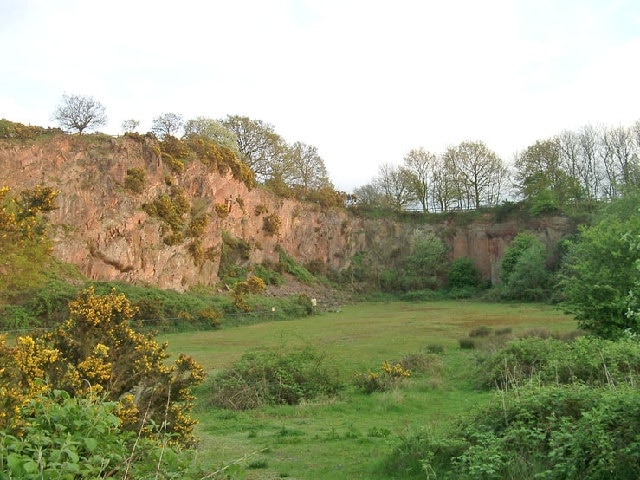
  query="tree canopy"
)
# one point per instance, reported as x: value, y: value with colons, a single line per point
x: 600, y: 278
x: 79, y: 113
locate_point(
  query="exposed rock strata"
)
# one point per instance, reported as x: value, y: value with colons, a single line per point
x: 101, y: 227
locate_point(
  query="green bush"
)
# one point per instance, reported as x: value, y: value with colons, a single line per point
x: 135, y: 180
x: 571, y: 432
x: 588, y: 360
x: 599, y: 272
x: 58, y: 436
x: 463, y: 274
x: 273, y: 377
x: 268, y: 274
x: 523, y: 270
x: 389, y: 377
x: 271, y: 224
x: 423, y: 452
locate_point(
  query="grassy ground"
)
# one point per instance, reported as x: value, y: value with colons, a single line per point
x: 349, y: 436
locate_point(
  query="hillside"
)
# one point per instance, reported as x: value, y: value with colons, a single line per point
x: 126, y: 214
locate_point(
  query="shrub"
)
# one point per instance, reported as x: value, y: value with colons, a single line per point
x: 589, y: 360
x: 434, y: 348
x: 387, y: 378
x: 171, y: 209
x: 253, y: 285
x: 570, y: 432
x: 135, y: 180
x: 25, y: 249
x: 467, y: 343
x: 57, y: 436
x: 480, y: 332
x: 197, y: 225
x: 273, y: 377
x: 430, y: 363
x: 268, y: 274
x: 222, y: 210
x: 175, y: 165
x: 423, y: 453
x: 96, y: 350
x: 260, y: 209
x: 271, y: 224
x: 462, y: 274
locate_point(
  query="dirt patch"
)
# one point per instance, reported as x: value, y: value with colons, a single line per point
x: 327, y: 297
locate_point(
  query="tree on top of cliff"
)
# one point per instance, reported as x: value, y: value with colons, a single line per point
x: 167, y: 124
x: 80, y: 112
x: 260, y: 146
x: 213, y: 130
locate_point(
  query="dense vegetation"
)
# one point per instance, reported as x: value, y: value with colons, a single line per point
x: 88, y: 391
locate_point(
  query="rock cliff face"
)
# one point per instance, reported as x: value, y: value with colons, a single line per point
x: 101, y: 225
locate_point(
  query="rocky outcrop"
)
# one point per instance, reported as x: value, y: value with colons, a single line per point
x: 102, y: 227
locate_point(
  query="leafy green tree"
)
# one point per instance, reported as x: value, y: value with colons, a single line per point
x: 80, y: 112
x: 463, y: 274
x: 368, y: 196
x: 427, y: 264
x: 542, y: 178
x: 213, y: 130
x: 304, y: 168
x: 523, y: 270
x: 529, y: 279
x: 260, y: 146
x: 599, y: 274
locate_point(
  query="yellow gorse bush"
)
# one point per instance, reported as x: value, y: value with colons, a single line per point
x: 395, y: 371
x: 387, y: 378
x: 96, y: 351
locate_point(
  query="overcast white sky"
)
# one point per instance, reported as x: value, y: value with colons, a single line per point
x: 364, y: 81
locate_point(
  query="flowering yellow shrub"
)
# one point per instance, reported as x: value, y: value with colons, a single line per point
x: 387, y: 378
x: 22, y: 373
x: 253, y: 285
x: 97, y: 351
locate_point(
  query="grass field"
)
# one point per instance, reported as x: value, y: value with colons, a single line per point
x: 348, y: 437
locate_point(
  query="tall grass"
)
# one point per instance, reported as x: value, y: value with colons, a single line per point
x: 347, y: 434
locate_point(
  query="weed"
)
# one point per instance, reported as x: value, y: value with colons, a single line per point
x: 467, y: 343
x: 480, y: 332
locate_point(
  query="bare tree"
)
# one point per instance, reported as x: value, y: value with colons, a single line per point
x: 420, y: 165
x: 393, y: 182
x: 622, y: 163
x: 80, y: 112
x: 590, y: 171
x: 480, y: 173
x: 167, y: 124
x: 444, y: 190
x: 129, y: 126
